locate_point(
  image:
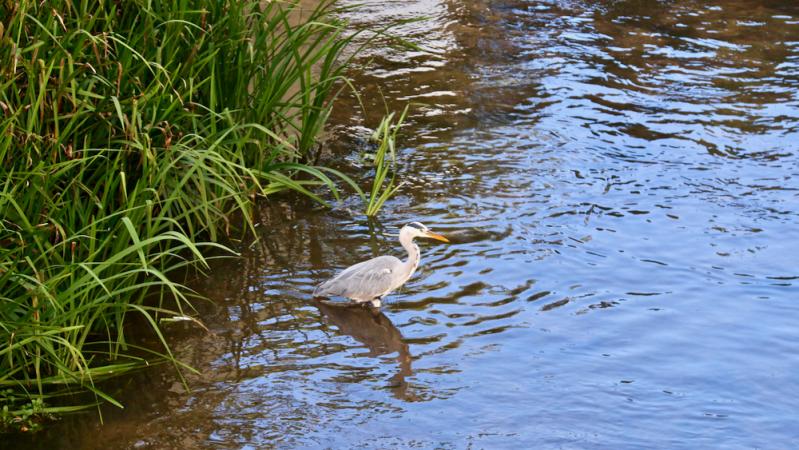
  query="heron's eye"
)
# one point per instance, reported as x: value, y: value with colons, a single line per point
x: 418, y: 226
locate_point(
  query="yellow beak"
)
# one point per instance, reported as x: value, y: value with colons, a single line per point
x: 435, y: 236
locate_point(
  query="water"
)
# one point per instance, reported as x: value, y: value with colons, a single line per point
x: 619, y: 180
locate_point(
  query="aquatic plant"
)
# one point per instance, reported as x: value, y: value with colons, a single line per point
x: 384, y: 162
x: 130, y: 133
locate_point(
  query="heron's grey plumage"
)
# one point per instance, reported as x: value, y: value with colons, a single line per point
x: 370, y: 280
x: 364, y: 281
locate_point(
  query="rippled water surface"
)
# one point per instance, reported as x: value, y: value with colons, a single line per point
x: 619, y: 182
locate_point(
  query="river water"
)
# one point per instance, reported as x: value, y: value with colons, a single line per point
x: 619, y: 180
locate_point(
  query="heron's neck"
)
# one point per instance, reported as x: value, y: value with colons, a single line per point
x: 414, y: 255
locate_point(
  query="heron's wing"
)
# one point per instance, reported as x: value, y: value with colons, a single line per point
x: 363, y: 281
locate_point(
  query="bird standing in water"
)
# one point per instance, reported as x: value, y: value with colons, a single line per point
x: 371, y: 280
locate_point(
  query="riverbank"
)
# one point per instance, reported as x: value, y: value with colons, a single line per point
x: 130, y: 135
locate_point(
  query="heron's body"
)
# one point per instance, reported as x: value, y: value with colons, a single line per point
x: 370, y: 280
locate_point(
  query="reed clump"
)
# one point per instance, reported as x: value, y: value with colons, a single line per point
x: 130, y: 132
x: 384, y: 163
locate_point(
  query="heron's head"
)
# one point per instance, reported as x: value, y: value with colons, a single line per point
x: 416, y: 229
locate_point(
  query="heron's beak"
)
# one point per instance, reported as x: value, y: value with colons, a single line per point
x: 435, y: 236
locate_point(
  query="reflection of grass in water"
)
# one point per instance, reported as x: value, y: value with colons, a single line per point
x: 130, y: 133
x: 384, y: 161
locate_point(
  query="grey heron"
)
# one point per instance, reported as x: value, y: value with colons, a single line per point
x: 370, y: 280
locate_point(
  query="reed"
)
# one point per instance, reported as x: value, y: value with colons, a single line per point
x: 130, y: 133
x: 384, y: 163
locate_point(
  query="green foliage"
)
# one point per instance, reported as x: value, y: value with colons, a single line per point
x: 384, y: 162
x: 130, y: 132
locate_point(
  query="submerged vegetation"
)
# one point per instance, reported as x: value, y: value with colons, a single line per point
x: 130, y: 132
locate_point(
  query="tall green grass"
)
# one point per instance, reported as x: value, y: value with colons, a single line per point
x: 384, y: 163
x: 130, y: 133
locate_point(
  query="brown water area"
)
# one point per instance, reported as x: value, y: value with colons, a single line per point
x: 620, y: 183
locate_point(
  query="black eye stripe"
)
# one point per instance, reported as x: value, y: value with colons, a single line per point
x: 418, y: 226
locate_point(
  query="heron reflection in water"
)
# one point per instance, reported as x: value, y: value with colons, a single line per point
x: 371, y: 280
x: 378, y: 334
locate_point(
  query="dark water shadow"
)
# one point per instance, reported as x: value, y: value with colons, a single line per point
x: 375, y: 330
